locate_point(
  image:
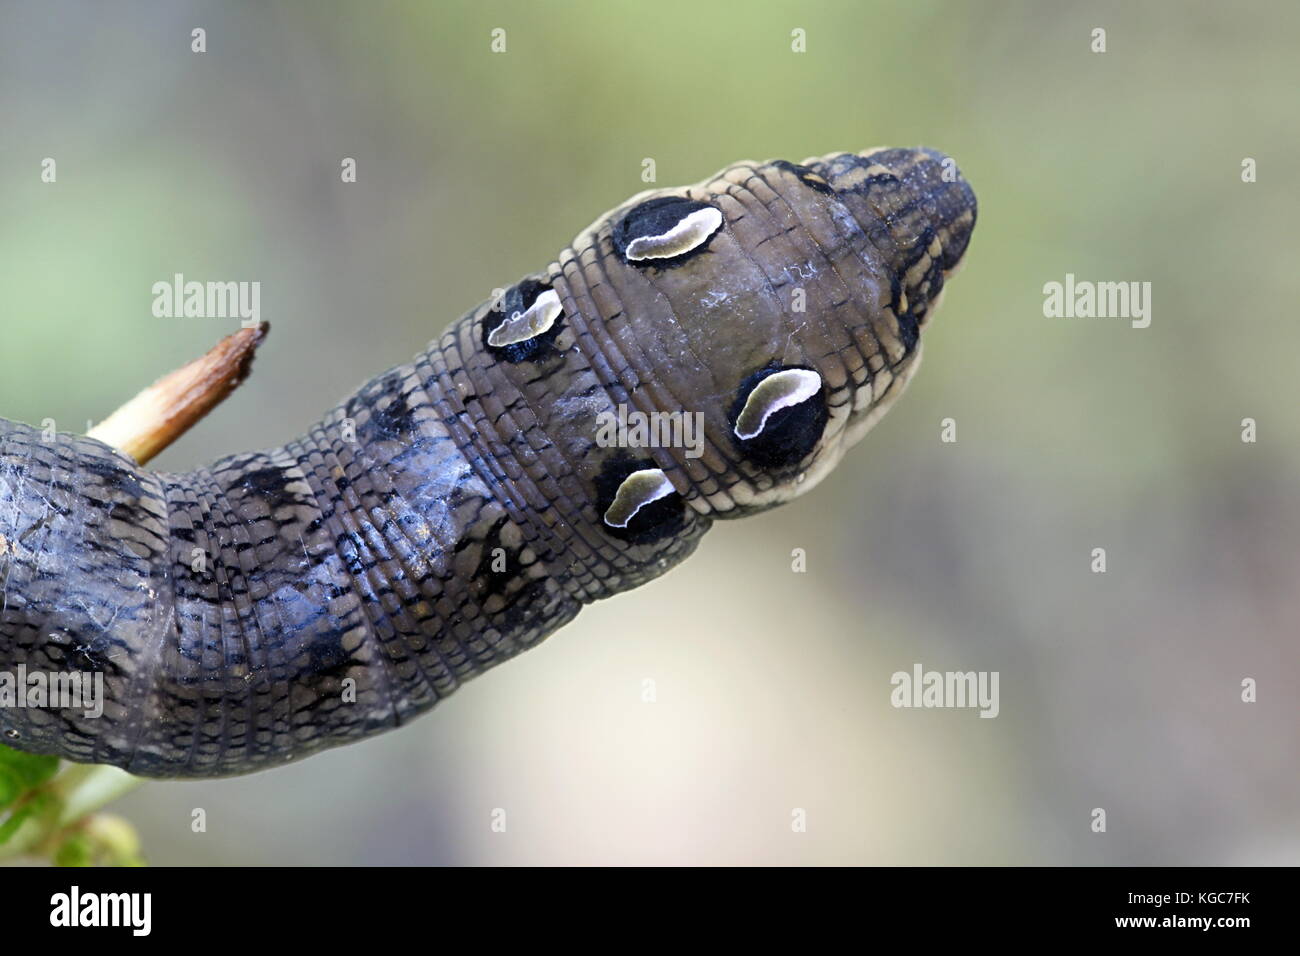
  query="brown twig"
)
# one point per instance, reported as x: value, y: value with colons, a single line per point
x: 165, y: 410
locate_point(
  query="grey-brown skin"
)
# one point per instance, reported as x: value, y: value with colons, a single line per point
x: 450, y: 513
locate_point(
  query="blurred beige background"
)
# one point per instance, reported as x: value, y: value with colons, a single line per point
x: 1118, y: 690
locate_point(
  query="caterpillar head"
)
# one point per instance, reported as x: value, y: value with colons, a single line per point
x: 780, y: 304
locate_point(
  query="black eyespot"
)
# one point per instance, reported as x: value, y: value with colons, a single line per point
x: 654, y: 521
x: 665, y: 232
x: 809, y: 177
x: 271, y: 483
x: 789, y: 434
x: 517, y: 299
x: 390, y: 416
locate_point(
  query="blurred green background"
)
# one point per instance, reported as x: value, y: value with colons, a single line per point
x: 1118, y: 690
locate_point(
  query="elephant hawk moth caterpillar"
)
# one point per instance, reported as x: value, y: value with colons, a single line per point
x: 457, y: 510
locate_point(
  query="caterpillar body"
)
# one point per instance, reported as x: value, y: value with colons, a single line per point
x: 459, y: 509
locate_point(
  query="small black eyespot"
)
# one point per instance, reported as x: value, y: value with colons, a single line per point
x: 269, y: 481
x: 652, y: 522
x: 657, y: 218
x: 384, y: 408
x: 789, y: 434
x: 518, y: 298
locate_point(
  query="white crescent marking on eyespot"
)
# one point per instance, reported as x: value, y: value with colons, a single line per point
x: 683, y: 237
x: 532, y: 322
x: 779, y: 390
x: 637, y: 490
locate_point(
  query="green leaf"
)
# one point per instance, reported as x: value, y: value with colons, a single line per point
x: 31, y: 770
x: 11, y: 787
x: 39, y: 803
x: 20, y: 772
x: 10, y: 826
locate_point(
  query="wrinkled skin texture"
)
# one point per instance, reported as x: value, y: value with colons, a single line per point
x: 448, y: 515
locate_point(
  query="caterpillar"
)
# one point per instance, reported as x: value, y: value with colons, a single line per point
x: 459, y: 509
